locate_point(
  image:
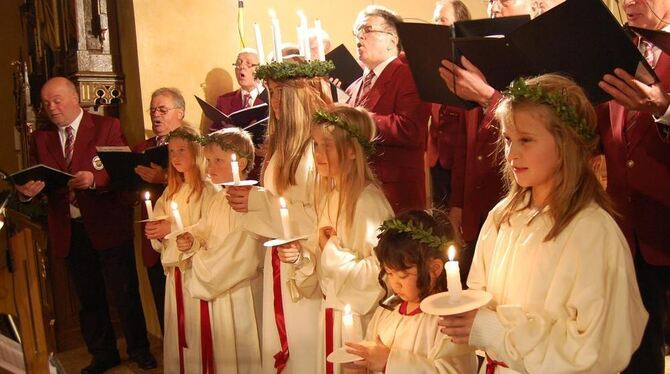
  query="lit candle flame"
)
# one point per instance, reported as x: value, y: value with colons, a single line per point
x: 451, y: 253
x: 347, y: 310
x: 301, y: 14
x: 272, y: 13
x: 174, y: 205
x: 282, y: 203
x: 233, y: 157
x: 147, y: 196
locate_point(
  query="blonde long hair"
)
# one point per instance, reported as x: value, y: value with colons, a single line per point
x: 575, y: 183
x: 177, y: 179
x: 289, y: 135
x: 355, y: 174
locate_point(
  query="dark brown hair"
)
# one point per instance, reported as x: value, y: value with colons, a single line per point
x: 399, y: 251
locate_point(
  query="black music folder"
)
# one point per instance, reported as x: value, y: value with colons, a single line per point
x: 120, y: 163
x: 347, y: 69
x: 578, y: 38
x: 52, y: 178
x: 253, y: 119
x: 426, y: 45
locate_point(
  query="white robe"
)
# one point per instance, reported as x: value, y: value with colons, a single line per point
x: 567, y: 305
x: 190, y: 211
x: 347, y: 266
x: 417, y: 346
x: 225, y: 263
x: 301, y: 310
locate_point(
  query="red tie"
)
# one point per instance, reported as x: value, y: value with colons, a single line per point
x: 246, y: 100
x: 647, y: 50
x: 69, y: 143
x: 365, y: 88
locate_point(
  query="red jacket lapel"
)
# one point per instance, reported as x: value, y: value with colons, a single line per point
x: 379, y: 87
x: 85, y: 134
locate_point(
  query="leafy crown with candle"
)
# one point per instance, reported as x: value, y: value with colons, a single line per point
x: 281, y: 71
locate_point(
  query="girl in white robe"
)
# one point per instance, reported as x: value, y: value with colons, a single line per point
x: 225, y: 264
x: 565, y: 297
x: 401, y: 338
x: 187, y: 189
x: 290, y: 314
x: 350, y: 209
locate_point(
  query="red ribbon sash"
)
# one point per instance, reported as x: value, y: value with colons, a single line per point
x: 281, y: 358
x: 181, y: 318
x: 206, y: 340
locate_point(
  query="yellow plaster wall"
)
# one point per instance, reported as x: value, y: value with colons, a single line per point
x: 191, y: 45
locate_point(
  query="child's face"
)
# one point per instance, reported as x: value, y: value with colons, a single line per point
x: 531, y: 151
x: 325, y: 152
x: 218, y: 164
x: 403, y: 283
x: 181, y: 156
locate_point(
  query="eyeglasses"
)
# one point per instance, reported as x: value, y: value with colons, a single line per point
x: 240, y: 65
x: 161, y: 110
x: 367, y: 29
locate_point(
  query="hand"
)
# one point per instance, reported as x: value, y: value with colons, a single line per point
x: 324, y: 235
x: 157, y: 229
x: 185, y: 241
x: 635, y: 95
x: 336, y: 82
x: 374, y: 357
x: 290, y: 253
x: 238, y: 198
x: 31, y: 188
x: 81, y: 181
x: 456, y: 220
x: 458, y: 326
x: 470, y: 82
x: 153, y: 174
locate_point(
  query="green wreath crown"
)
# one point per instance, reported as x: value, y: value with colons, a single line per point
x: 323, y: 117
x: 416, y: 231
x: 226, y: 147
x: 519, y: 88
x: 179, y: 133
x: 281, y: 71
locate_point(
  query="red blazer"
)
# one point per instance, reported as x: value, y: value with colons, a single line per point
x: 232, y: 102
x: 476, y: 181
x: 149, y: 256
x: 107, y: 217
x: 638, y: 175
x: 402, y: 127
x: 447, y: 126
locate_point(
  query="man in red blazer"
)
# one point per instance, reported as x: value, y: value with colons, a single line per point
x: 638, y: 176
x: 447, y: 124
x: 167, y: 111
x: 250, y: 93
x: 90, y: 225
x: 388, y: 91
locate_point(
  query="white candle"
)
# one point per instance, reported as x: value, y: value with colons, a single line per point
x: 259, y: 43
x: 285, y: 220
x: 147, y: 203
x: 235, y: 166
x: 349, y: 331
x: 303, y: 35
x: 301, y: 42
x: 453, y: 275
x: 319, y: 40
x: 276, y: 35
x: 177, y: 216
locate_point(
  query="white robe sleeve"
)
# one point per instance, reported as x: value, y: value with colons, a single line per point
x: 445, y: 358
x: 354, y: 271
x: 592, y: 319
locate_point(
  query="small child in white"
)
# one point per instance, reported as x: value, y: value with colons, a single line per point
x: 406, y: 340
x: 225, y: 272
